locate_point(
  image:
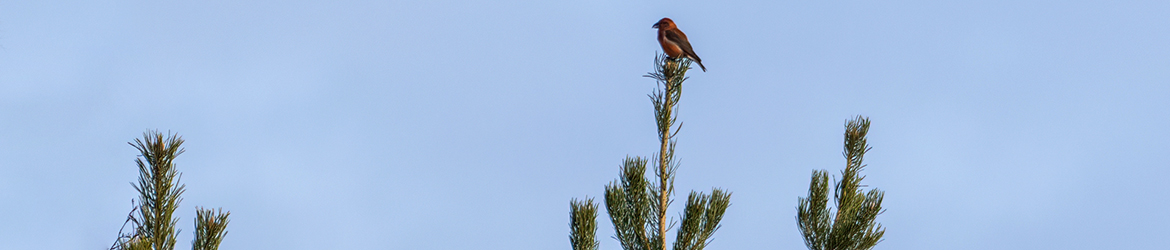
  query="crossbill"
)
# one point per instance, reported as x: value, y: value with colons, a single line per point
x: 674, y: 42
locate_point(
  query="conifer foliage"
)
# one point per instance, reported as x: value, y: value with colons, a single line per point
x: 159, y: 194
x: 637, y: 206
x: 852, y: 225
x: 583, y: 224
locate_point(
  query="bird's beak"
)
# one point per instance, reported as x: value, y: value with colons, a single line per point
x: 655, y: 26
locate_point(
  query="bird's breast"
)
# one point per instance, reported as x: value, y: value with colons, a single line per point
x: 669, y: 47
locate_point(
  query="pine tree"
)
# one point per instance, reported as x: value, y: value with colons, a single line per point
x: 637, y: 206
x: 852, y: 226
x: 159, y: 195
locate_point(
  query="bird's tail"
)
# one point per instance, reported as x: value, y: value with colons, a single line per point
x: 701, y: 65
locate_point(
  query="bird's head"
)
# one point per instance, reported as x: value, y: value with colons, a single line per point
x: 665, y: 23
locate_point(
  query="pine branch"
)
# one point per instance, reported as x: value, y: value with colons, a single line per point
x: 158, y: 188
x: 852, y: 226
x: 628, y: 202
x: 583, y: 224
x: 701, y: 219
x: 813, y: 215
x: 210, y: 227
x: 159, y: 194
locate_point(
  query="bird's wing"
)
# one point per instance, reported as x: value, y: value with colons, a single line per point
x: 681, y: 39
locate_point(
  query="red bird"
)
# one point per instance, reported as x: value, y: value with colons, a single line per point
x: 675, y: 43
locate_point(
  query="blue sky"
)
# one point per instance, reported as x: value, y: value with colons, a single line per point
x: 471, y: 124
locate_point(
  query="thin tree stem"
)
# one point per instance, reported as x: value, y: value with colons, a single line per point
x: 662, y: 166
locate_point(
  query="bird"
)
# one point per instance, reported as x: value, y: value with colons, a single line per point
x: 674, y: 42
